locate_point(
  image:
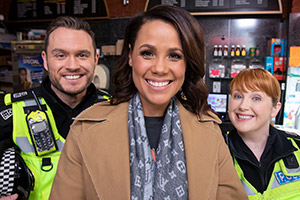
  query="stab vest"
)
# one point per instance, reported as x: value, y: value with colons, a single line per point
x: 42, y: 167
x: 284, y: 183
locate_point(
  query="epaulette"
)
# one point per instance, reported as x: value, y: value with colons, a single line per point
x: 291, y: 134
x: 20, y: 96
x: 102, y: 95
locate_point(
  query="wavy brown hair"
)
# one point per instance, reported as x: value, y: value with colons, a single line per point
x: 188, y: 29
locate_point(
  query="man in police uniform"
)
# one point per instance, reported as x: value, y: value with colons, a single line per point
x: 70, y: 58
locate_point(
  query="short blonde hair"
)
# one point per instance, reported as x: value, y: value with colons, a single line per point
x: 257, y: 80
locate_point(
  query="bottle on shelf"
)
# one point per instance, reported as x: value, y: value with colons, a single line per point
x: 232, y: 50
x: 238, y: 50
x: 257, y: 52
x: 252, y: 51
x: 220, y: 50
x: 225, y: 51
x: 215, y: 51
x: 243, y: 51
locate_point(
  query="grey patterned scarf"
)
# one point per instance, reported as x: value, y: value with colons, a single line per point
x: 166, y: 178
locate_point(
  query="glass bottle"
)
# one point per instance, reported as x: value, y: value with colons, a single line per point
x: 243, y: 51
x: 232, y: 50
x: 257, y: 52
x: 220, y: 50
x: 238, y: 50
x: 225, y: 52
x: 215, y: 51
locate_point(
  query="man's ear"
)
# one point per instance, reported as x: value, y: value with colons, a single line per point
x: 276, y: 109
x: 45, y: 63
x: 130, y: 56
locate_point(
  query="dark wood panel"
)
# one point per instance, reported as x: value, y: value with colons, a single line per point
x: 224, y: 7
x: 33, y: 10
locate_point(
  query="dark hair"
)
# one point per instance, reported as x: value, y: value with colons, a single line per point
x: 191, y: 38
x: 71, y: 23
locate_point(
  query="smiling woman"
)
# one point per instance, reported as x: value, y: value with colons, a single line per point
x: 158, y: 66
x: 266, y: 159
x: 157, y: 137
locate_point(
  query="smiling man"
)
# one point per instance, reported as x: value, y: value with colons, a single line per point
x: 38, y: 120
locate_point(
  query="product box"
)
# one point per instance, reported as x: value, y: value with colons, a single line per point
x: 277, y: 47
x: 108, y: 50
x: 279, y: 69
x: 217, y: 69
x: 294, y: 60
x: 119, y: 47
x: 269, y: 64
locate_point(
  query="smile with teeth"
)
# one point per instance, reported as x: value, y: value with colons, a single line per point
x: 72, y: 77
x: 244, y: 116
x: 158, y: 84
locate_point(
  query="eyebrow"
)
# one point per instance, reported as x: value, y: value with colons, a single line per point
x: 57, y: 50
x: 153, y: 47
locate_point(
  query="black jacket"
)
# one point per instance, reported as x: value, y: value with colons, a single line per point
x: 258, y: 173
x: 62, y: 113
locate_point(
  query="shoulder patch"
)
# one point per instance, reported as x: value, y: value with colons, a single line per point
x: 282, y: 179
x: 27, y: 94
x: 6, y: 114
x: 19, y: 94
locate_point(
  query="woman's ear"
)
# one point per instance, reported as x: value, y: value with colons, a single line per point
x: 130, y: 56
x: 275, y: 109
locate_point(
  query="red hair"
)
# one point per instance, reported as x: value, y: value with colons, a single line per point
x: 257, y: 80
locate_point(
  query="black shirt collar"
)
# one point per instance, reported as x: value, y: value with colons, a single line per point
x: 277, y: 141
x: 52, y: 98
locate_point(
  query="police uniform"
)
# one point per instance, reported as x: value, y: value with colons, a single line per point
x: 277, y: 174
x: 60, y: 117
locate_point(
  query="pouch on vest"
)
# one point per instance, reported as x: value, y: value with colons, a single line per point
x: 291, y: 162
x: 40, y: 131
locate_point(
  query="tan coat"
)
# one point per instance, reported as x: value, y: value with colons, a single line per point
x: 95, y: 160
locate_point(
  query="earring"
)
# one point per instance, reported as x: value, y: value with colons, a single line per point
x: 182, y: 95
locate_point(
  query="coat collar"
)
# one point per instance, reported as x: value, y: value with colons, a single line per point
x: 109, y: 141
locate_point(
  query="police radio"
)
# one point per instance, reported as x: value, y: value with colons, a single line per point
x: 40, y: 130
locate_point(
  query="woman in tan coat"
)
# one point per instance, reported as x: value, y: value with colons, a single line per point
x: 157, y: 138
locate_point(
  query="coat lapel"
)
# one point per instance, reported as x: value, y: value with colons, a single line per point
x: 106, y: 155
x: 200, y: 154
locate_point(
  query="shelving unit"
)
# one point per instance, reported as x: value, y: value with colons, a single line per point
x: 6, y: 78
x: 226, y: 67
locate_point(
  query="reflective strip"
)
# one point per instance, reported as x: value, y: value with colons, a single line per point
x: 60, y: 145
x: 31, y: 102
x: 103, y: 97
x: 26, y: 147
x: 247, y: 189
x: 291, y: 171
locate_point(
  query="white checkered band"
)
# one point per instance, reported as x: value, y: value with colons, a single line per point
x: 6, y: 114
x: 7, y: 172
